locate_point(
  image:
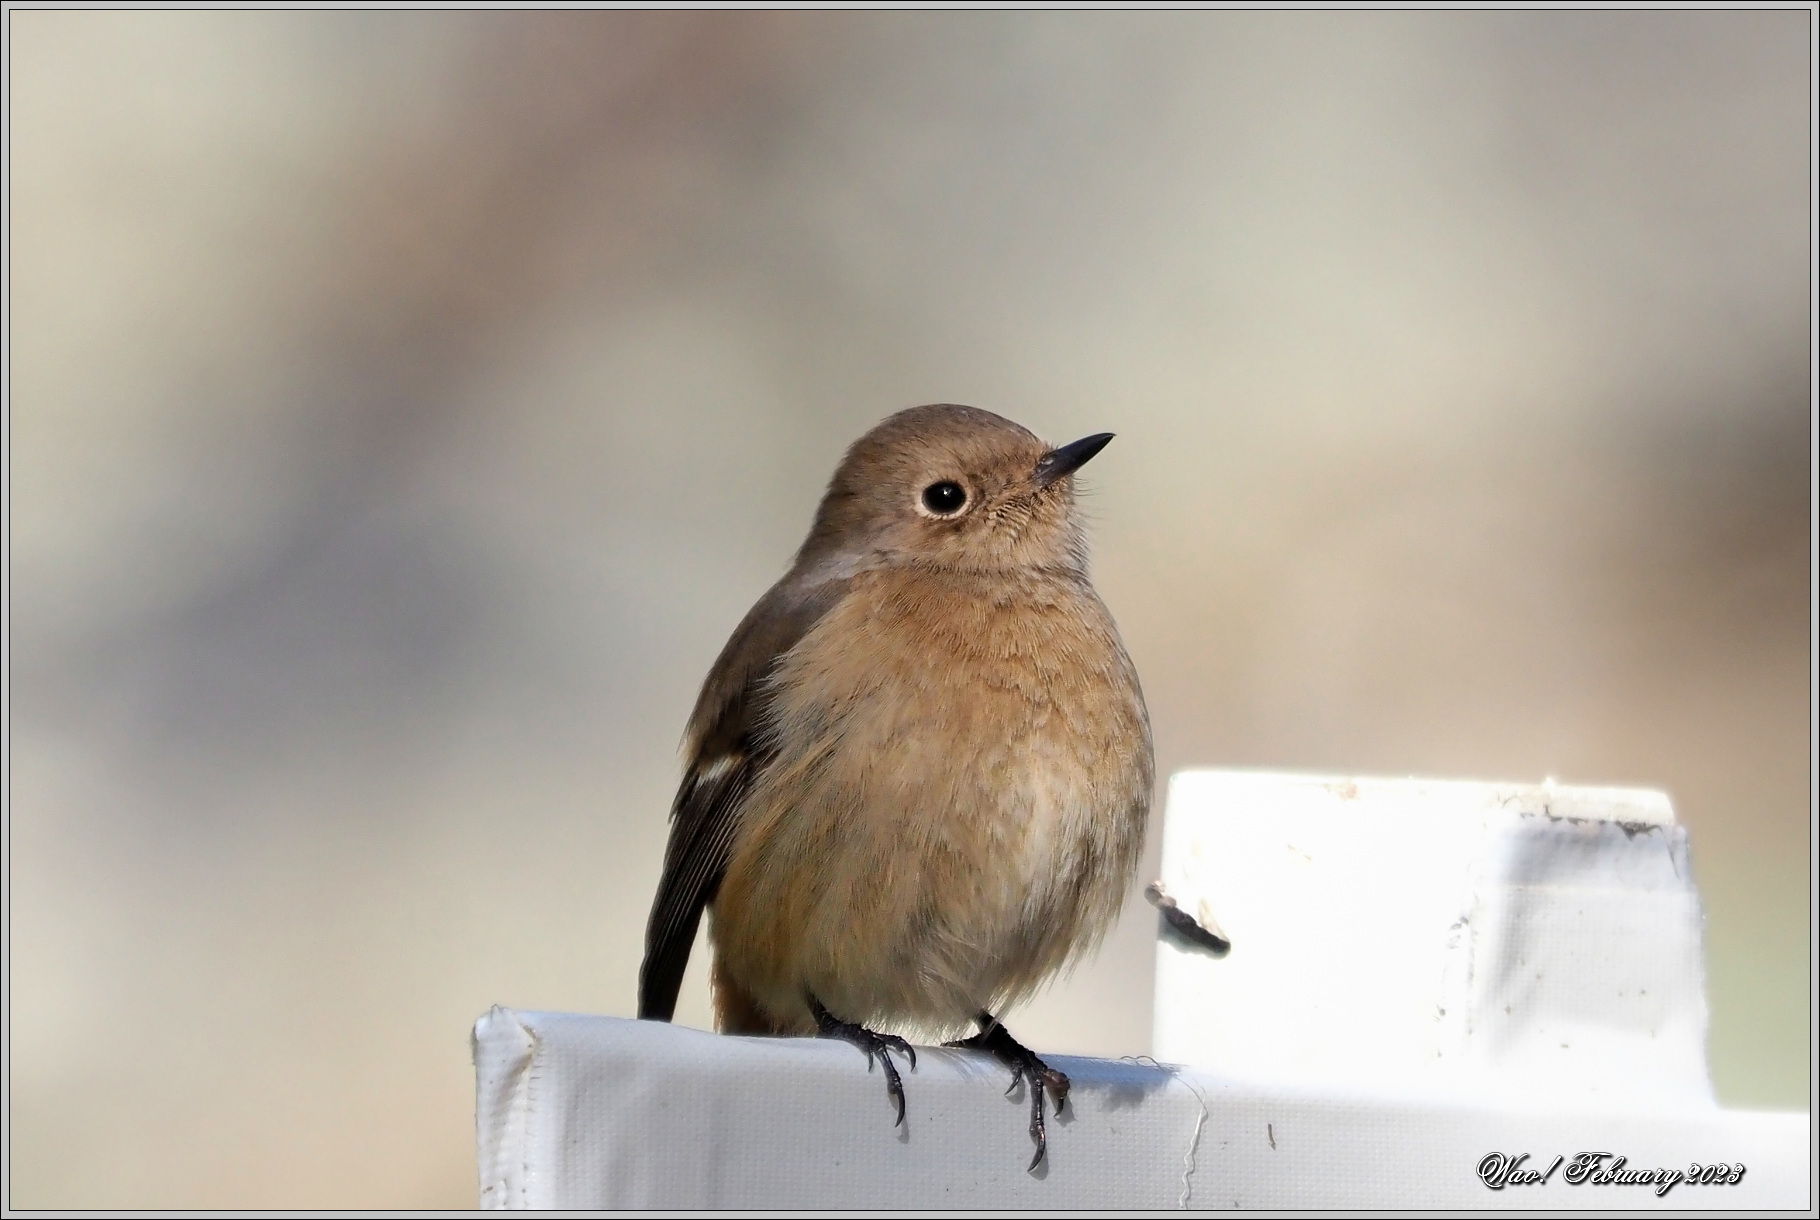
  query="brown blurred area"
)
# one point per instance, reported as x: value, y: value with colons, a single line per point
x: 404, y: 408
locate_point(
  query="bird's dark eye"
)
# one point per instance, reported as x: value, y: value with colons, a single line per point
x: 944, y: 498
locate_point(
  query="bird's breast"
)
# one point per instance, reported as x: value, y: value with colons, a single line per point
x: 956, y: 802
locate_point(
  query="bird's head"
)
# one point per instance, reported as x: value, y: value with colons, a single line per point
x: 954, y: 487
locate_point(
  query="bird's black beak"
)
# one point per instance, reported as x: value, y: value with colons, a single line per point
x: 1059, y: 463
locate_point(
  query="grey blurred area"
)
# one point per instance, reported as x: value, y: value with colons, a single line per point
x: 405, y: 406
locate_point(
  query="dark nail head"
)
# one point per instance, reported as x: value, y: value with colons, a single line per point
x: 1058, y: 463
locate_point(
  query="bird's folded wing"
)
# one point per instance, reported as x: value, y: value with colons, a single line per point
x: 726, y: 751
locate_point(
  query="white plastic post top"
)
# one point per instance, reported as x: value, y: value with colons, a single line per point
x: 1436, y: 992
x: 1512, y: 942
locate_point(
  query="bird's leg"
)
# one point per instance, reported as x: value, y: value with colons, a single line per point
x: 1024, y: 1065
x: 827, y: 1025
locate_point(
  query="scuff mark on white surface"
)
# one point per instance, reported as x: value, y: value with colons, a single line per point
x: 1194, y: 1145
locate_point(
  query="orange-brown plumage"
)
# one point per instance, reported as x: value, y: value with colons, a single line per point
x: 957, y: 805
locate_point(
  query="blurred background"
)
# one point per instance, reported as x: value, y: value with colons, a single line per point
x: 405, y: 407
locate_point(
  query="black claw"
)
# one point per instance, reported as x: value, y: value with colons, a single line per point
x: 1037, y: 1132
x: 1025, y: 1066
x: 894, y: 1087
x: 898, y: 1044
x: 830, y: 1026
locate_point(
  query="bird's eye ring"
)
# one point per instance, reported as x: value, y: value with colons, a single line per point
x: 944, y: 499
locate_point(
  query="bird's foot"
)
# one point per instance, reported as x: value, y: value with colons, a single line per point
x: 827, y: 1025
x: 1024, y: 1064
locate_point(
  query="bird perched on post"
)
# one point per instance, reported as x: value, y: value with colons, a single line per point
x: 918, y: 774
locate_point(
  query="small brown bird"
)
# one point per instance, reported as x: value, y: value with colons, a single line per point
x: 918, y: 775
